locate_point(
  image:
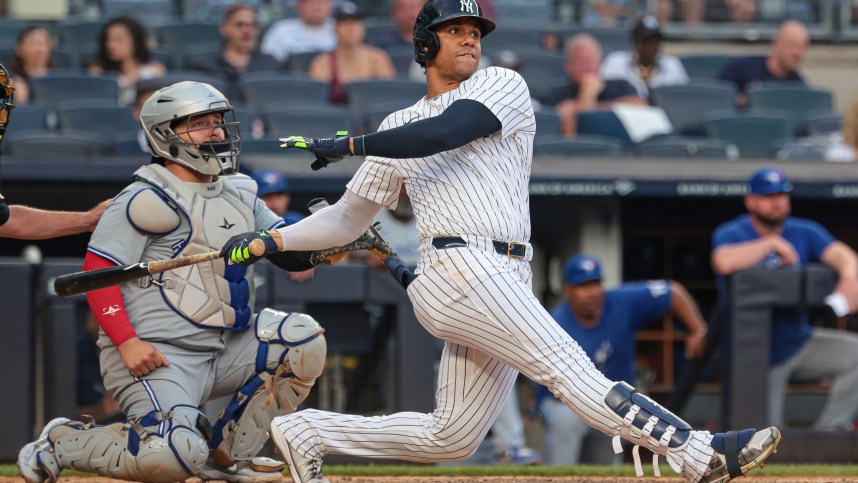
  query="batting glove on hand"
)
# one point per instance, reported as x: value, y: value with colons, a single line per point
x: 327, y: 150
x: 237, y: 249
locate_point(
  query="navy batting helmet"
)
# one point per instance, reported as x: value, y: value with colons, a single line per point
x: 426, y: 43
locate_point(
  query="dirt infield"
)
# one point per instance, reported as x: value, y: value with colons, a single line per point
x: 499, y: 479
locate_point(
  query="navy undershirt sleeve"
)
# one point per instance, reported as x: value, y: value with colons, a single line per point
x: 464, y: 121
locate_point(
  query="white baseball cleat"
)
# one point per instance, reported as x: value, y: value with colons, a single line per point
x: 36, y: 461
x: 302, y: 469
x: 753, y: 454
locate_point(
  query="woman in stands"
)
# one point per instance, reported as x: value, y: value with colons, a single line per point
x: 122, y: 52
x: 32, y: 59
x: 352, y: 59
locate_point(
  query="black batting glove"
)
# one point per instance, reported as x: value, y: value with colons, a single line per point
x: 237, y: 249
x: 327, y: 150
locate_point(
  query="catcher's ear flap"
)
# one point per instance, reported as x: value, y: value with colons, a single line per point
x: 317, y: 204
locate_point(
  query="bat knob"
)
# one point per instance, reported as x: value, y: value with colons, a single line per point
x: 257, y: 248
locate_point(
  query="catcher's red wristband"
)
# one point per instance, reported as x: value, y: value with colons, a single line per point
x: 107, y: 304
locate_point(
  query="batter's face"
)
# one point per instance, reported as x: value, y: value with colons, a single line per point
x: 459, y: 55
x: 769, y: 210
x: 586, y: 299
x: 198, y: 130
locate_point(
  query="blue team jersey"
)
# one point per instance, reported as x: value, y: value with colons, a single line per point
x: 292, y: 217
x: 790, y: 328
x: 611, y: 343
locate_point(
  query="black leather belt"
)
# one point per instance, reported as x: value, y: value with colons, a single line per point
x: 510, y: 249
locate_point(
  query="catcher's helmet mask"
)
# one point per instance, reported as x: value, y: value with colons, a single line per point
x: 166, y: 109
x: 435, y: 12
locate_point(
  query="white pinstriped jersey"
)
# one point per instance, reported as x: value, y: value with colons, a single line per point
x: 478, y: 189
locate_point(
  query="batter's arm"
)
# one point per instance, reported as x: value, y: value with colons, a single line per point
x: 332, y: 226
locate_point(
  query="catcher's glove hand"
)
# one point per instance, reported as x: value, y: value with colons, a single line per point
x: 371, y: 240
x: 327, y: 150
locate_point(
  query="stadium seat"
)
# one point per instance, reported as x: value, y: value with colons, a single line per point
x: 79, y: 40
x: 822, y: 121
x: 46, y: 144
x: 378, y: 111
x: 299, y: 64
x: 510, y: 37
x: 95, y: 116
x: 262, y: 91
x: 377, y: 29
x: 364, y: 94
x: 528, y: 12
x: 308, y: 122
x: 52, y: 89
x: 177, y: 37
x: 580, y: 145
x: 9, y: 30
x: 603, y: 124
x: 705, y: 65
x: 755, y: 132
x: 547, y: 123
x: 29, y: 116
x: 402, y: 59
x: 686, y: 105
x: 174, y: 76
x: 793, y: 97
x: 685, y: 147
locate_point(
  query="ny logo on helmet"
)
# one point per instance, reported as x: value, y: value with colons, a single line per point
x: 467, y: 5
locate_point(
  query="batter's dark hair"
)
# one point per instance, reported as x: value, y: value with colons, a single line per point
x: 138, y: 38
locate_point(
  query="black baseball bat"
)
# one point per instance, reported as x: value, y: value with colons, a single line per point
x: 87, y: 281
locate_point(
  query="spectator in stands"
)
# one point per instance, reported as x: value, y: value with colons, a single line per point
x: 402, y: 13
x: 122, y: 52
x: 587, y: 91
x: 139, y: 145
x: 273, y: 190
x: 32, y: 59
x: 312, y: 31
x: 768, y: 237
x: 240, y: 31
x: 604, y: 324
x: 352, y: 59
x: 645, y: 67
x: 845, y: 149
x: 782, y: 63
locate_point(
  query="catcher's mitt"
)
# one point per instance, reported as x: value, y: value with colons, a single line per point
x: 371, y: 240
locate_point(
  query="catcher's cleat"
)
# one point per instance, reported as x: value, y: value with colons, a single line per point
x: 36, y: 461
x: 738, y: 452
x: 302, y: 468
x: 259, y: 469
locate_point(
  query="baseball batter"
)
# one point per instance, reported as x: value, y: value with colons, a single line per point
x: 463, y: 153
x: 170, y: 343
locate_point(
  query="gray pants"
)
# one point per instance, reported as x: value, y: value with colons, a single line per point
x: 191, y: 378
x: 569, y: 440
x: 828, y: 355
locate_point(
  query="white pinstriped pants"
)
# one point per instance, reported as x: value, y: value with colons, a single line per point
x: 480, y: 303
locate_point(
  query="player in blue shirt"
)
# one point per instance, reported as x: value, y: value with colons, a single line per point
x: 768, y: 237
x: 604, y: 324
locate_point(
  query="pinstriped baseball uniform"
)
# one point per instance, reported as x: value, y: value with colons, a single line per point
x: 477, y: 300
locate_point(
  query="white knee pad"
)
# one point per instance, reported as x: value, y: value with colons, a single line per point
x: 242, y: 428
x: 128, y: 451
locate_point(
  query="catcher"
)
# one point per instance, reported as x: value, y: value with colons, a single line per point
x: 170, y: 342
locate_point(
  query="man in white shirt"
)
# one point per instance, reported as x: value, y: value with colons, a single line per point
x: 645, y: 67
x: 313, y: 31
